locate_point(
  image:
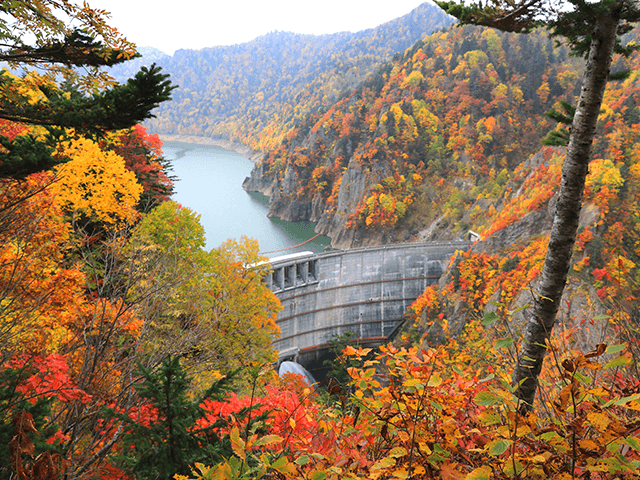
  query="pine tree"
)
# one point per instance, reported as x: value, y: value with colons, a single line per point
x: 90, y: 104
x: 158, y: 448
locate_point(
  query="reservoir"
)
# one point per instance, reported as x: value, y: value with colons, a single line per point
x: 209, y: 182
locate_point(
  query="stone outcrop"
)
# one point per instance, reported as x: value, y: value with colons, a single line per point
x: 580, y: 302
x: 286, y: 205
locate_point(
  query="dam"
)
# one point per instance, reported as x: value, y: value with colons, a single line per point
x: 365, y: 291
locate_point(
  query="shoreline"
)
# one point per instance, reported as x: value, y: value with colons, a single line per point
x: 253, y: 155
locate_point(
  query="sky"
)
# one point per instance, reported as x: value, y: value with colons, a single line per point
x: 194, y: 24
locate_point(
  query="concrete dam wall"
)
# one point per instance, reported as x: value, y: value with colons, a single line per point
x: 365, y: 291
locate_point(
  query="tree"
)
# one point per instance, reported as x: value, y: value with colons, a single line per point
x: 39, y: 291
x: 57, y: 35
x: 219, y: 309
x: 167, y: 435
x: 96, y: 185
x: 66, y: 37
x: 143, y: 155
x: 593, y: 31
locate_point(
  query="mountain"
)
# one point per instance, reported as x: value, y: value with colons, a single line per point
x: 254, y: 92
x: 446, y: 124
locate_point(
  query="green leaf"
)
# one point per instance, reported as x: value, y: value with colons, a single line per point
x: 439, y: 454
x: 582, y: 378
x: 482, y: 473
x: 268, y: 440
x: 302, y: 460
x: 513, y: 469
x: 621, y: 361
x: 504, y: 342
x: 488, y: 378
x: 318, y: 475
x: 611, y: 349
x: 519, y: 309
x: 489, y: 319
x: 485, y: 398
x: 623, y: 401
x: 633, y: 442
x: 498, y: 446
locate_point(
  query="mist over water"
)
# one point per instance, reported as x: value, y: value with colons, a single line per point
x: 210, y: 183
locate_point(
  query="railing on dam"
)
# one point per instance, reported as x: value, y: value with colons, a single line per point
x: 365, y: 291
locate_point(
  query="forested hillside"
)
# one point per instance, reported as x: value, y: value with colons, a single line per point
x: 253, y: 93
x: 422, y: 139
x: 128, y: 351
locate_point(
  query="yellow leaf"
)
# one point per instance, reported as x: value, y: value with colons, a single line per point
x: 268, y: 440
x: 237, y: 444
x: 397, y: 452
x: 633, y: 406
x: 424, y: 448
x: 284, y: 466
x: 587, y: 444
x: 489, y: 417
x: 434, y: 381
x: 563, y: 476
x: 419, y: 470
x: 412, y: 382
x: 400, y: 473
x: 385, y: 462
x: 599, y: 420
x: 539, y: 458
x: 96, y: 183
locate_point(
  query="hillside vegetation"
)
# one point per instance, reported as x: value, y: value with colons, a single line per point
x: 252, y: 93
x: 447, y: 139
x: 128, y: 351
x: 422, y: 139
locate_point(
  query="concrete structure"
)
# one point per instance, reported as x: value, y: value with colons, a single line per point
x: 364, y: 290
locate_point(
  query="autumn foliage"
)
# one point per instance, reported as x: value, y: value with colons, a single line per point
x: 94, y: 284
x: 110, y: 305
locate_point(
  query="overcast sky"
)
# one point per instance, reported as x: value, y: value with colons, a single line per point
x: 171, y: 25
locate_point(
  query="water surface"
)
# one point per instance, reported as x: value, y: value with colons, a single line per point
x: 210, y: 183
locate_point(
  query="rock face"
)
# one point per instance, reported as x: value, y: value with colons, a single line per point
x: 285, y: 205
x: 580, y: 302
x: 353, y: 186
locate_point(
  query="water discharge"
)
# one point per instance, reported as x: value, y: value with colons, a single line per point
x: 210, y: 183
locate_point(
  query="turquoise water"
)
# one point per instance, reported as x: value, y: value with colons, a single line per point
x: 210, y: 183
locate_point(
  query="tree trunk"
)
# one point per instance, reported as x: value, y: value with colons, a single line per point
x: 565, y: 223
